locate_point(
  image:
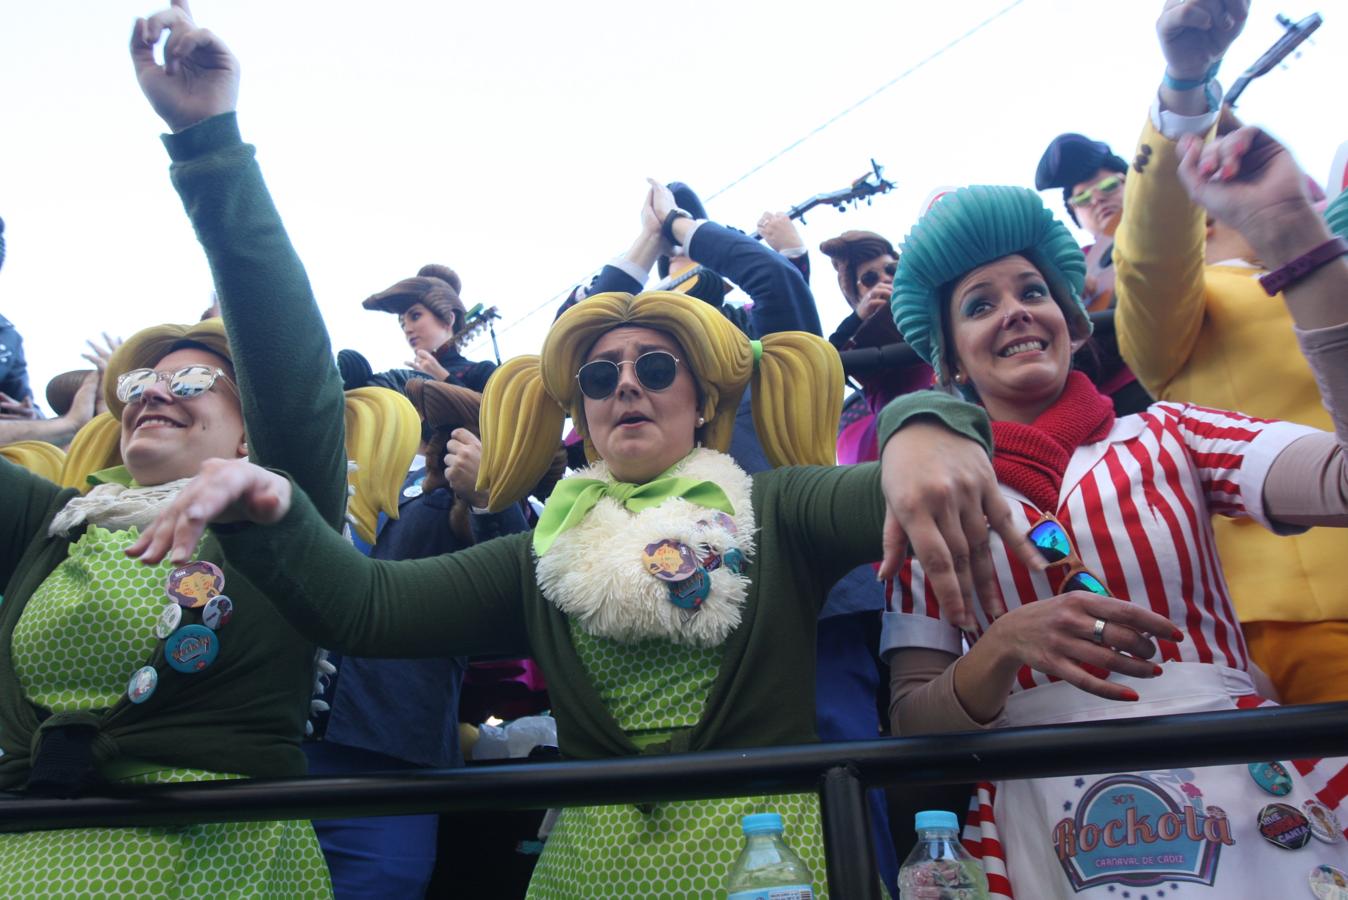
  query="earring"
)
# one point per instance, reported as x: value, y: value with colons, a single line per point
x: 701, y: 420
x: 961, y: 378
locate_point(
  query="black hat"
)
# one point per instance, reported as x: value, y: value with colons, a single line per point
x: 688, y: 201
x: 1069, y: 160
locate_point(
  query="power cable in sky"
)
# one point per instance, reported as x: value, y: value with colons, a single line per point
x: 955, y: 42
x: 869, y: 97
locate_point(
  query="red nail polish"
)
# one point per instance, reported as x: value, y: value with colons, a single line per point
x: 1156, y: 670
x: 1130, y: 695
x: 1177, y: 636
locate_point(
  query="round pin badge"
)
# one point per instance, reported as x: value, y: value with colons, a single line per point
x: 1324, y: 824
x: 414, y: 490
x: 168, y: 621
x: 1329, y: 883
x: 669, y: 560
x: 192, y: 585
x: 1285, y: 826
x: 689, y: 593
x: 725, y: 522
x: 734, y: 560
x: 1272, y: 777
x: 142, y: 684
x: 217, y: 612
x: 191, y: 648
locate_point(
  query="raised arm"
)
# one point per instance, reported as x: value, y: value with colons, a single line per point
x: 781, y: 297
x: 1248, y: 180
x: 1160, y: 246
x: 268, y: 306
x: 627, y: 272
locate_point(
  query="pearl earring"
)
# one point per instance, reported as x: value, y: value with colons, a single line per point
x: 701, y: 420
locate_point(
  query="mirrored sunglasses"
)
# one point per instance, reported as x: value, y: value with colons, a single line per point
x: 185, y: 383
x: 655, y: 370
x: 1052, y: 540
x: 870, y: 279
x: 1102, y: 187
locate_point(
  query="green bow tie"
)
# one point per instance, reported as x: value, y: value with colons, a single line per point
x: 573, y: 498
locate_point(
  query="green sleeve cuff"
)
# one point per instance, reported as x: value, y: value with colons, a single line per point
x: 208, y: 135
x: 963, y: 418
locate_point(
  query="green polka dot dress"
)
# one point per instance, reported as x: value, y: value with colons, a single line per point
x: 678, y: 850
x: 104, y: 606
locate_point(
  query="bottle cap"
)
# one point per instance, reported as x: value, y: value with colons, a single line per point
x: 762, y: 823
x: 936, y: 818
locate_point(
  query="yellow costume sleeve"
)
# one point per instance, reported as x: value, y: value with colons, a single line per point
x: 1159, y: 265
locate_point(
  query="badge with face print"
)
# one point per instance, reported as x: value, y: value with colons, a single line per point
x: 669, y: 560
x: 194, y: 584
x: 1272, y: 777
x: 1284, y: 826
x: 1329, y: 883
x: 142, y: 684
x: 191, y: 648
x: 1324, y: 824
x: 168, y: 621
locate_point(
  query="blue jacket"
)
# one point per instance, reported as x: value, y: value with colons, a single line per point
x: 409, y: 708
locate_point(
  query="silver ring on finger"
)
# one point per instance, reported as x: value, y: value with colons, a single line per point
x: 1098, y: 632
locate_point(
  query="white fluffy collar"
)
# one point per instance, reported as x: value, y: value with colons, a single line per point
x: 595, y: 572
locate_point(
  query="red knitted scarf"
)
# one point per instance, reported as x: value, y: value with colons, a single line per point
x: 1032, y: 458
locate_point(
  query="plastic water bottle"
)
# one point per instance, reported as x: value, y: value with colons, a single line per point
x: 767, y: 868
x: 939, y: 868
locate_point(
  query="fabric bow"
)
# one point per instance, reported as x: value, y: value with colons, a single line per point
x: 573, y: 498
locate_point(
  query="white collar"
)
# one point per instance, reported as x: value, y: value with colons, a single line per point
x: 595, y: 572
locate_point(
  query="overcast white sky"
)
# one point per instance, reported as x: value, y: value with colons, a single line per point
x: 510, y: 141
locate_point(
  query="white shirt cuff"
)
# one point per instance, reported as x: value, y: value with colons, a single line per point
x: 1174, y: 126
x: 637, y: 274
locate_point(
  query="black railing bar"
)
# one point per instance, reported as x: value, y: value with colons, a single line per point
x: 1086, y: 748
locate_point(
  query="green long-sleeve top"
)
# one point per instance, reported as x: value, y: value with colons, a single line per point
x: 815, y: 524
x: 246, y: 712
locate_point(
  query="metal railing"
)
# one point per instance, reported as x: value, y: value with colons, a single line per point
x: 838, y: 772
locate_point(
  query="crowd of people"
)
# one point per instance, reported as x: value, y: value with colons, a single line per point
x: 670, y: 530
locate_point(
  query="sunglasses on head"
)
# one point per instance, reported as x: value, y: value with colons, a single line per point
x: 186, y: 383
x: 1053, y: 541
x: 870, y: 279
x: 1102, y: 187
x: 655, y: 370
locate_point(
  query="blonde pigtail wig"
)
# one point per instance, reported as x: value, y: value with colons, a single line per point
x: 521, y: 425
x: 797, y: 399
x: 39, y: 457
x: 383, y: 432
x: 96, y: 446
x: 799, y: 388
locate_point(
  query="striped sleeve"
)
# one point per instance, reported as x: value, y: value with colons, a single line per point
x: 1232, y: 454
x: 913, y: 618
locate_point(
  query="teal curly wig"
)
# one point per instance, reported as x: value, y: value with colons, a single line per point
x: 1336, y: 214
x: 969, y: 228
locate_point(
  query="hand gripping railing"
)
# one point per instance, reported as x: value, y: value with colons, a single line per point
x: 839, y: 772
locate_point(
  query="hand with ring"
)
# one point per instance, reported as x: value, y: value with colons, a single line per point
x: 1074, y: 636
